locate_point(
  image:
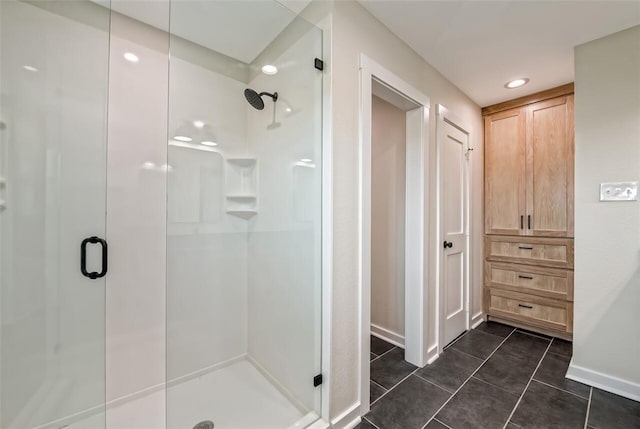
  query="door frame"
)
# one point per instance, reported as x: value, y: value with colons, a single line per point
x: 443, y: 115
x: 416, y: 219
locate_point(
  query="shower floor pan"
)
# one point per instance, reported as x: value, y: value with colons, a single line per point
x: 237, y: 396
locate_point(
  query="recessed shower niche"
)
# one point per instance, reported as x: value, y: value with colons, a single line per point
x: 241, y: 187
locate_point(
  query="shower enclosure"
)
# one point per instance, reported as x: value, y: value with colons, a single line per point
x: 160, y: 215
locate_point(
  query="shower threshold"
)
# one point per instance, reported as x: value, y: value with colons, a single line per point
x: 235, y: 396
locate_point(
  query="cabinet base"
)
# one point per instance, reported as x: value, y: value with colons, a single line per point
x: 529, y: 327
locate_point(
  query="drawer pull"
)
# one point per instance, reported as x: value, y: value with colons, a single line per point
x: 525, y: 247
x: 526, y: 277
x: 525, y: 306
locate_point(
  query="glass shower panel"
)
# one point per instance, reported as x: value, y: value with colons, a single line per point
x: 53, y: 103
x: 243, y: 216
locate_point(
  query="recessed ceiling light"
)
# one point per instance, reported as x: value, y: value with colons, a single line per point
x: 287, y: 109
x: 131, y: 57
x: 306, y: 160
x: 30, y: 68
x: 516, y: 83
x: 209, y: 143
x: 183, y: 138
x: 198, y: 124
x: 269, y: 69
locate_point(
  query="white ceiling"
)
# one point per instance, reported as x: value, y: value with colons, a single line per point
x: 238, y: 29
x: 480, y: 45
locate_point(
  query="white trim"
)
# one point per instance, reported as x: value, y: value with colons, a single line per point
x: 444, y: 115
x: 432, y: 354
x: 387, y: 335
x: 477, y: 320
x: 327, y: 215
x: 602, y: 381
x: 417, y: 121
x: 416, y: 221
x: 349, y: 419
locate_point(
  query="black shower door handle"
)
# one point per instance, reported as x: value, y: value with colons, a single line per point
x: 83, y: 257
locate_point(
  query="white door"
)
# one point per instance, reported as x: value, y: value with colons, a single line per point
x: 454, y: 145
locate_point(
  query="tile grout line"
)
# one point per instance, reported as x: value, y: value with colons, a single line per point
x: 443, y: 424
x: 431, y: 382
x: 379, y: 356
x: 370, y: 422
x: 559, y: 354
x: 533, y: 334
x: 557, y: 388
x: 469, y: 378
x: 586, y: 418
x: 375, y: 382
x: 465, y: 353
x: 393, y: 387
x: 527, y: 386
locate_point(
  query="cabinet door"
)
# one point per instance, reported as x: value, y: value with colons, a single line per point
x: 550, y: 168
x: 505, y: 172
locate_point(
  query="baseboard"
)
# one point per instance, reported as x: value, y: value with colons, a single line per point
x: 387, y: 335
x: 432, y: 354
x: 477, y: 320
x: 349, y: 419
x: 604, y: 382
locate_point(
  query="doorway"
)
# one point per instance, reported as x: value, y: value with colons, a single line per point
x: 388, y: 164
x: 408, y: 222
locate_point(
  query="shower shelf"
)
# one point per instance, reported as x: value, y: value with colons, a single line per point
x: 241, y: 197
x: 244, y: 162
x: 243, y: 213
x: 241, y: 187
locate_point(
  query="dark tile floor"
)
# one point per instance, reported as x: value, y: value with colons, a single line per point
x: 494, y: 376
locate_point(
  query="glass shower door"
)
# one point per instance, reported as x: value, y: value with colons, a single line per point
x: 53, y: 104
x: 244, y: 217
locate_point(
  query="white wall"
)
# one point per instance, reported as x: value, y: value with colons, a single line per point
x: 355, y: 31
x: 607, y: 244
x: 388, y: 158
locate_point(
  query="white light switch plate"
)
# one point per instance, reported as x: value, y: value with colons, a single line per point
x: 619, y: 191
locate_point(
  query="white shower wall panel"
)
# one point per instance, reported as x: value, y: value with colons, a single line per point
x: 136, y: 207
x: 207, y: 248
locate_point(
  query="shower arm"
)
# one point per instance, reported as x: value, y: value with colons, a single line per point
x: 273, y: 96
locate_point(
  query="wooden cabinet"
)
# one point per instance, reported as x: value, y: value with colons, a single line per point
x: 529, y: 193
x: 544, y: 252
x: 529, y: 169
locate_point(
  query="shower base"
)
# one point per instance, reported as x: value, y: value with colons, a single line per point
x: 236, y: 396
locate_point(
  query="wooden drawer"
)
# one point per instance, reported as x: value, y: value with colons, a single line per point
x: 546, y: 252
x: 549, y: 282
x: 535, y: 310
